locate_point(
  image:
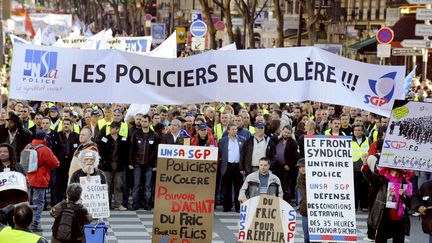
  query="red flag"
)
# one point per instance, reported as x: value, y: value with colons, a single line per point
x: 28, y: 25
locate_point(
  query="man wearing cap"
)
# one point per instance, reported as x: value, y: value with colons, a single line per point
x: 93, y: 125
x: 116, y: 117
x: 256, y: 147
x: 114, y: 153
x: 54, y: 115
x: 203, y: 138
x: 142, y: 160
x: 15, y: 134
x: 40, y: 179
x: 229, y: 154
x: 89, y: 162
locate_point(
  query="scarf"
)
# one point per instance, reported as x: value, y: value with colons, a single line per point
x: 398, y: 182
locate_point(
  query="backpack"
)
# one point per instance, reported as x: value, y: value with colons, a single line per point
x: 66, y: 227
x: 29, y: 158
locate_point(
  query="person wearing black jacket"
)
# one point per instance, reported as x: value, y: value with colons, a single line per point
x: 15, y: 134
x: 55, y: 143
x: 422, y: 203
x: 286, y: 160
x: 8, y: 160
x: 255, y: 148
x: 70, y: 143
x: 142, y: 159
x: 114, y: 152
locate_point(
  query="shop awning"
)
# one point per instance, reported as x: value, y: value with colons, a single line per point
x: 364, y: 46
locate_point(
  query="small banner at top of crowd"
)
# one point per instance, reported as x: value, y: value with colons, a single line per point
x: 262, y: 75
x: 408, y: 140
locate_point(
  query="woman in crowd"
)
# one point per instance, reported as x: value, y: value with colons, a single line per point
x: 389, y: 214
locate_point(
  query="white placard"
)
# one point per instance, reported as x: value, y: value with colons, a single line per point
x: 423, y: 30
x: 198, y: 44
x: 266, y: 218
x: 384, y: 50
x: 423, y: 14
x: 279, y: 74
x: 408, y: 140
x: 95, y: 197
x: 330, y: 189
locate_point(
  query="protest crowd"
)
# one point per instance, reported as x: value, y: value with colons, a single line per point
x: 124, y: 149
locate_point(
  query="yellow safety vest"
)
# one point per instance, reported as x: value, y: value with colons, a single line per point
x: 328, y: 132
x: 265, y: 111
x: 50, y: 104
x: 252, y: 130
x: 76, y: 128
x: 4, y: 91
x: 30, y: 124
x: 102, y: 123
x: 123, y: 131
x: 219, y: 131
x: 9, y: 235
x: 359, y: 150
x: 374, y: 136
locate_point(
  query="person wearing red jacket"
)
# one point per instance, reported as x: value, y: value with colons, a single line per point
x: 39, y: 180
x: 203, y: 138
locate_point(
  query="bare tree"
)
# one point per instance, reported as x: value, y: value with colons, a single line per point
x: 280, y: 23
x: 114, y: 4
x: 211, y: 28
x: 225, y: 5
x: 248, y: 10
x: 312, y: 18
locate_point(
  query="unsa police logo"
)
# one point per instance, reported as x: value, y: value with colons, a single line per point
x: 383, y: 90
x: 40, y: 65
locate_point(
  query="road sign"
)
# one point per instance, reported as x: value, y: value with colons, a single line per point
x: 406, y: 52
x: 420, y: 1
x: 220, y: 25
x: 423, y: 30
x: 384, y: 35
x: 383, y: 50
x: 196, y: 15
x: 148, y: 17
x: 416, y: 43
x: 393, y: 15
x: 198, y: 28
x: 198, y: 44
x: 424, y: 14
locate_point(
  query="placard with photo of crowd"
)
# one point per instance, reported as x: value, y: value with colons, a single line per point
x: 408, y: 140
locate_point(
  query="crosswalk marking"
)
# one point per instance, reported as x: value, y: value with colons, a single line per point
x: 136, y: 226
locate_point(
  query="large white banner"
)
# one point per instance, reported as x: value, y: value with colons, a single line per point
x: 330, y: 189
x: 408, y: 141
x: 138, y: 45
x: 262, y: 75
